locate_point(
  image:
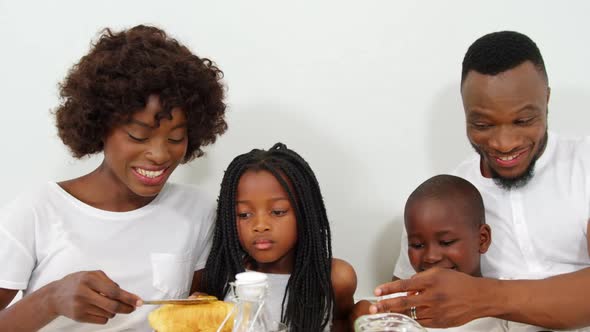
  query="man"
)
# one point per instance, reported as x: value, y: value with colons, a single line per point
x: 536, y: 191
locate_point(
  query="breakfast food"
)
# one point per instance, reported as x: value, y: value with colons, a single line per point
x: 191, y: 318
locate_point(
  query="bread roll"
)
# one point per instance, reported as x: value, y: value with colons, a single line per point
x: 191, y: 318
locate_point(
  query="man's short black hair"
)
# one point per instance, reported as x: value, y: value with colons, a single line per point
x: 500, y: 51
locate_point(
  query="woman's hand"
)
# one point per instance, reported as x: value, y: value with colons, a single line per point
x: 90, y: 297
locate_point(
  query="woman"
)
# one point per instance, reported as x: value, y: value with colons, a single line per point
x: 87, y: 250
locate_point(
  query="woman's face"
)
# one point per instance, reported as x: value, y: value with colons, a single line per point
x: 142, y: 153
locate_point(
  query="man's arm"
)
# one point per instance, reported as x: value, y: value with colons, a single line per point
x: 448, y: 298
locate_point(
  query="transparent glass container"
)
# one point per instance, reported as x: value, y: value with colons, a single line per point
x: 249, y: 294
x: 387, y: 322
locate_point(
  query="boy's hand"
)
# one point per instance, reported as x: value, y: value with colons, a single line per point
x: 90, y: 297
x: 443, y: 297
x: 360, y: 308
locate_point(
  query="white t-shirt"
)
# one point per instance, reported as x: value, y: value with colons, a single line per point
x: 490, y: 324
x: 538, y: 230
x: 487, y: 324
x: 151, y: 251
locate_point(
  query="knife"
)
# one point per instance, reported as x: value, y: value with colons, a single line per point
x: 198, y: 300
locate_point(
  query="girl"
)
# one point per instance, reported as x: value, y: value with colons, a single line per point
x: 271, y: 218
x: 84, y: 250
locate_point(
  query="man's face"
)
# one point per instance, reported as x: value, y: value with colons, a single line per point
x: 506, y: 118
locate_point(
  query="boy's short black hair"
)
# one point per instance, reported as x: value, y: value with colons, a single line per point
x: 461, y: 192
x: 500, y: 51
x: 117, y: 76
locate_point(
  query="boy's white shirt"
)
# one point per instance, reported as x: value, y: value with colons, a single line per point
x: 487, y: 324
x: 490, y: 324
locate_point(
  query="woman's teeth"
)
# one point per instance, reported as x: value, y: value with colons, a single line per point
x: 508, y: 158
x: 149, y: 174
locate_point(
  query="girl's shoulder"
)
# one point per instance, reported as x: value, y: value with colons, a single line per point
x: 343, y: 276
x: 344, y: 287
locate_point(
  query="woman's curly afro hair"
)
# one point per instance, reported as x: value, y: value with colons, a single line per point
x: 116, y: 78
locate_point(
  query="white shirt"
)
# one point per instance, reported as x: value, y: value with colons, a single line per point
x: 538, y: 230
x: 490, y: 324
x: 486, y: 324
x: 151, y: 252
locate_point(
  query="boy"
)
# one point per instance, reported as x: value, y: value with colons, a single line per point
x: 445, y: 223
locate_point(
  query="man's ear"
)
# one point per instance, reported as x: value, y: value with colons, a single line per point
x: 485, y: 238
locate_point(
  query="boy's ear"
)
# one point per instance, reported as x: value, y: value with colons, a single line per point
x: 485, y: 238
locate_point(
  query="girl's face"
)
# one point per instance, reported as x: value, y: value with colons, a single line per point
x: 140, y: 155
x: 266, y: 222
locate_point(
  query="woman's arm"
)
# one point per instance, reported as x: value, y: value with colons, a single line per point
x: 89, y: 297
x: 344, y: 285
x: 196, y: 285
x: 28, y: 314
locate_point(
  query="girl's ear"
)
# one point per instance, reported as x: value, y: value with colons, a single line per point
x: 485, y: 238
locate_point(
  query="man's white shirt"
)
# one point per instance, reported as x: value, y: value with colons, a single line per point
x: 538, y: 230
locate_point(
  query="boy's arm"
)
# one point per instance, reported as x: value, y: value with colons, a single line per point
x: 360, y: 308
x: 449, y: 298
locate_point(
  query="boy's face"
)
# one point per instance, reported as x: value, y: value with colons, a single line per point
x: 441, y: 235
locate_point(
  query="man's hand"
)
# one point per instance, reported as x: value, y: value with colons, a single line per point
x: 90, y: 297
x: 442, y: 297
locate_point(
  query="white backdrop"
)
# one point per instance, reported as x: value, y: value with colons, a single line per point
x: 366, y: 91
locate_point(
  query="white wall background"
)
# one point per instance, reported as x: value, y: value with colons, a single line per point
x: 366, y: 91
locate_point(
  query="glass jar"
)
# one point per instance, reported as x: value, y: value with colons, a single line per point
x: 249, y: 294
x: 387, y: 322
